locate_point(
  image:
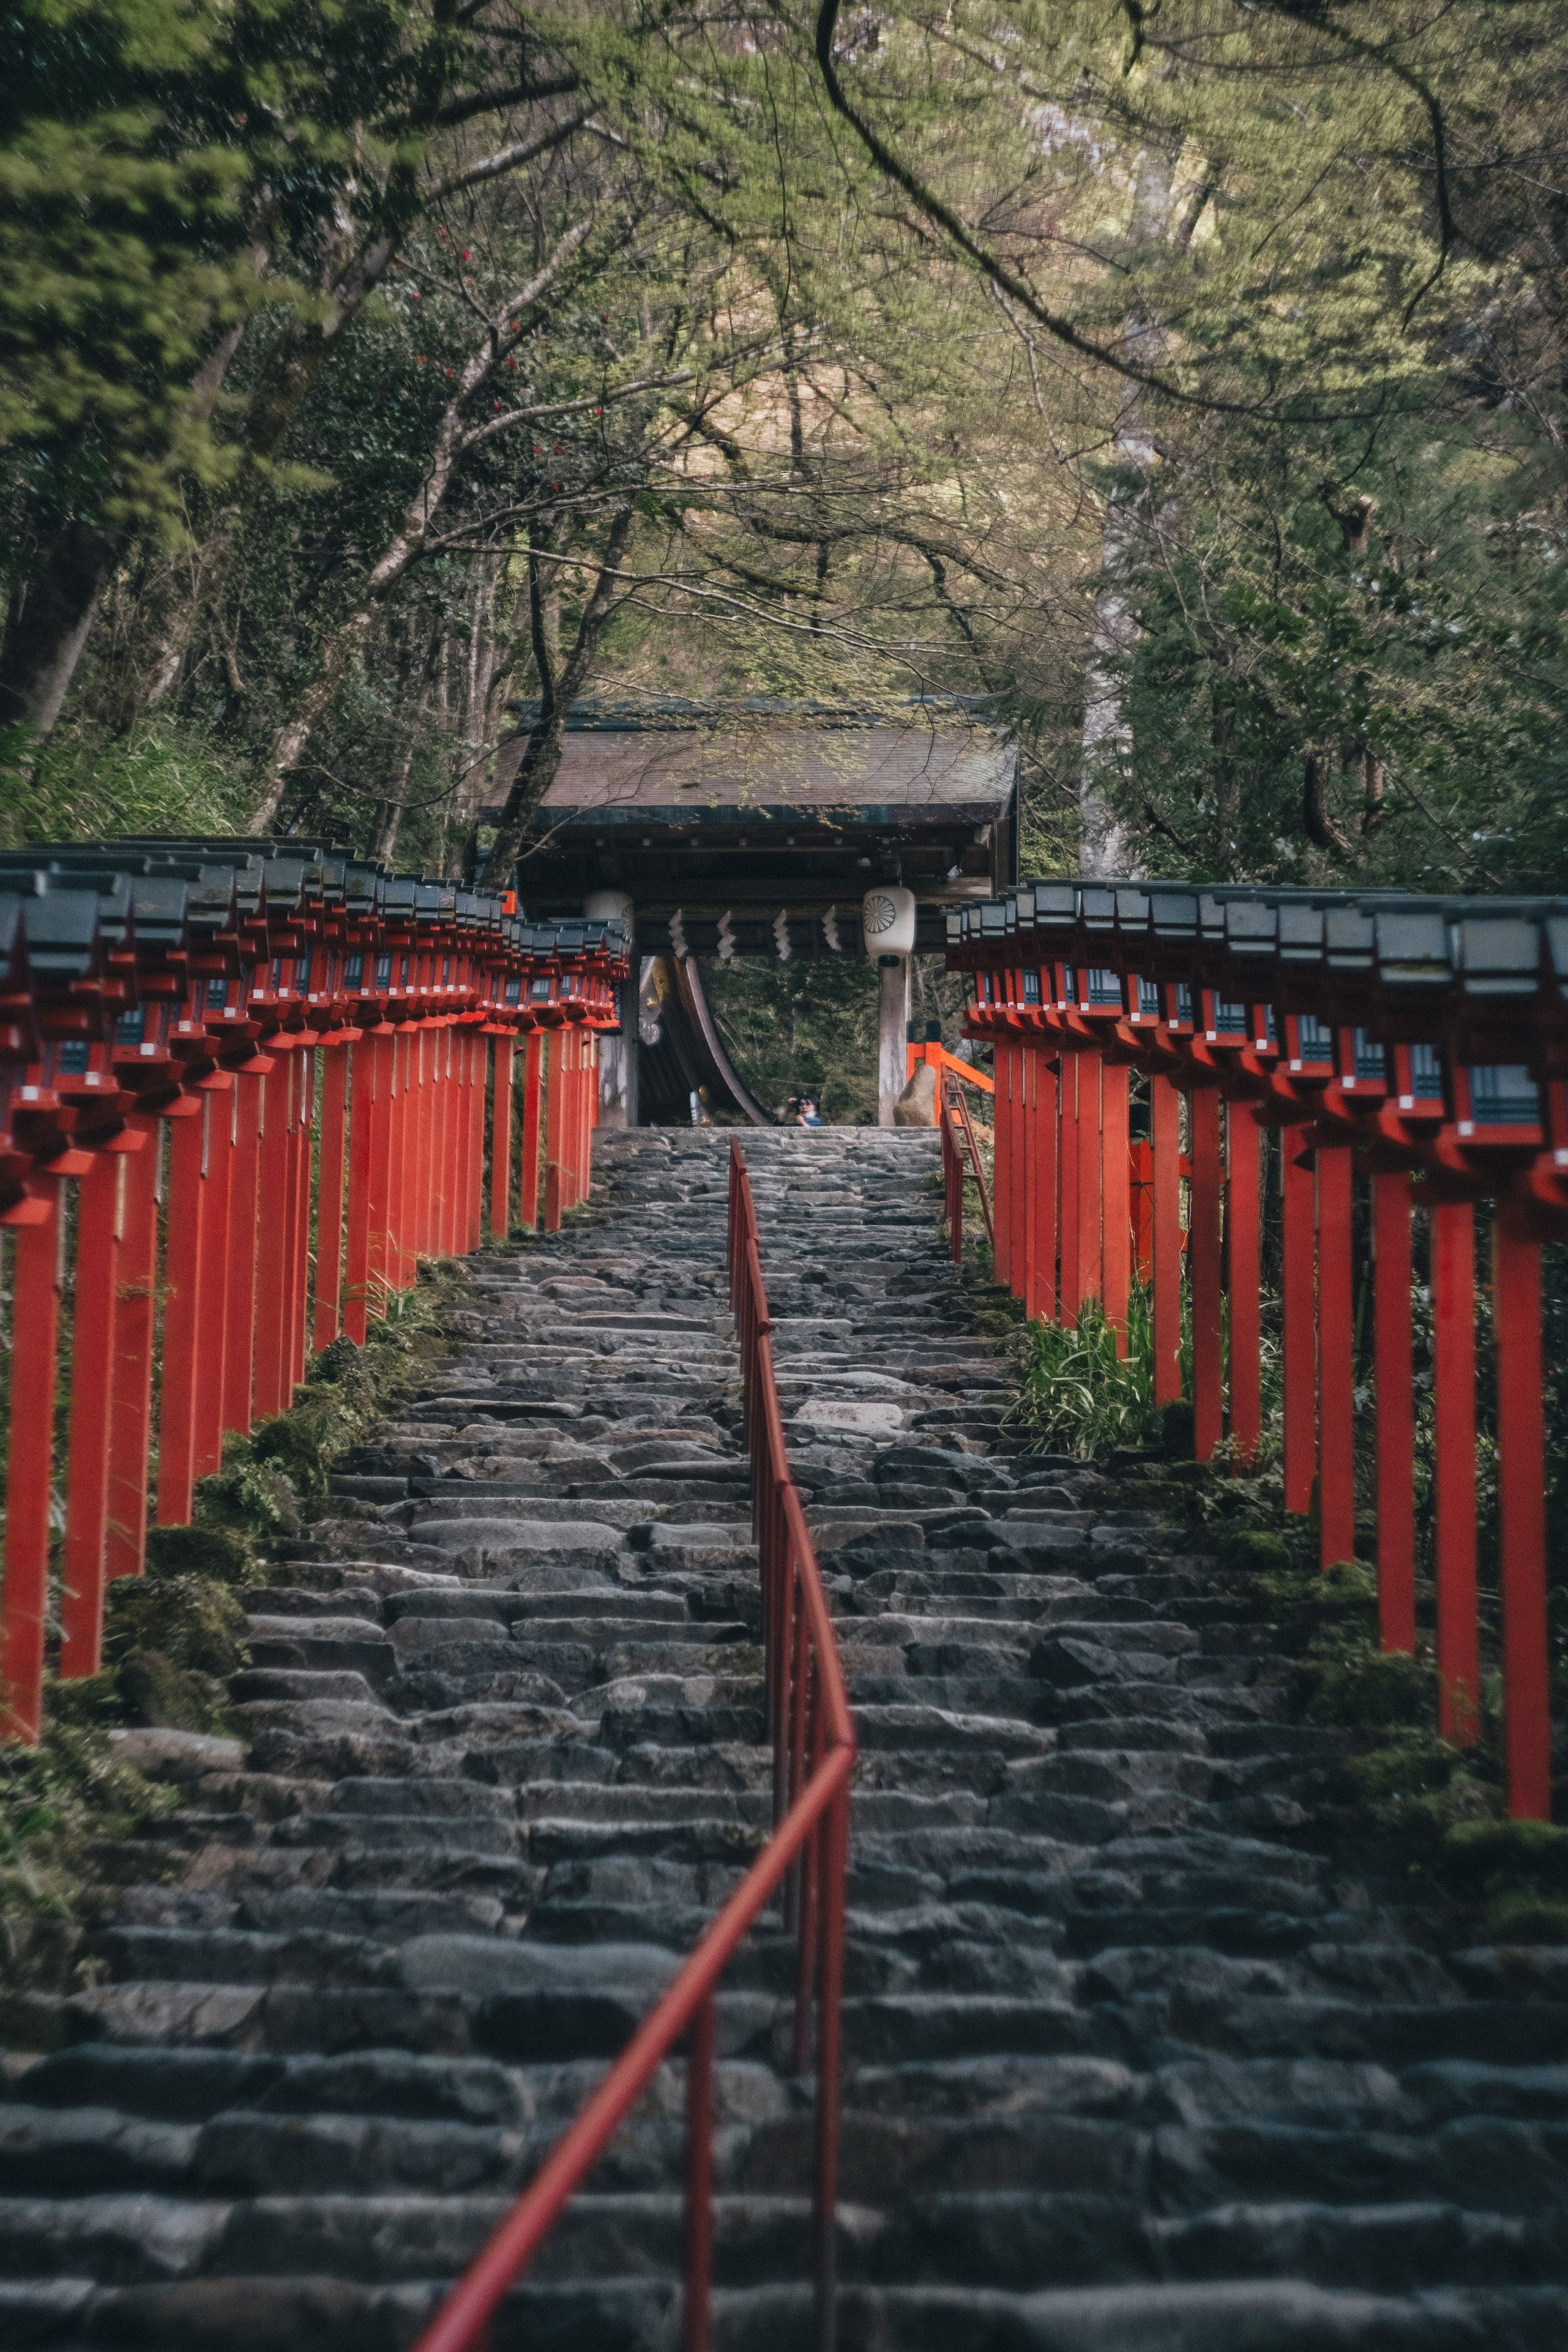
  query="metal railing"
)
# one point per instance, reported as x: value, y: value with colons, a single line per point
x: 1416, y: 1047
x: 960, y: 1162
x: 805, y: 1861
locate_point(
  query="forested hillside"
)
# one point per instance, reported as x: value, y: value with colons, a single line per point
x: 1186, y: 378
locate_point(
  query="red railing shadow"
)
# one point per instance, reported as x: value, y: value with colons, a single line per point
x: 805, y: 1861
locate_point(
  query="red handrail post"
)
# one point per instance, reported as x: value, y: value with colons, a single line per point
x: 1243, y: 1280
x: 1165, y: 1129
x: 331, y: 1156
x: 98, y: 1198
x: 181, y: 1313
x: 1337, y: 1371
x: 35, y: 1335
x: 1116, y: 1154
x: 501, y: 1138
x: 1204, y: 1263
x: 1395, y: 1412
x: 135, y: 1309
x: 1521, y: 1511
x: 1454, y: 1468
x: 528, y: 1200
x: 699, y: 2179
x: 1298, y: 1345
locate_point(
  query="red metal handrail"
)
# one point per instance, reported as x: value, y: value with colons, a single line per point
x: 806, y: 1859
x: 959, y: 1146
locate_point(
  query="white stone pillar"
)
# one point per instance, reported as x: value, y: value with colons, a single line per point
x: 893, y: 1032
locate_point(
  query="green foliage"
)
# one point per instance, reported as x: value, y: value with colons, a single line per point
x: 221, y: 1555
x: 190, y: 1620
x: 167, y: 780
x: 59, y: 1803
x: 1077, y: 1395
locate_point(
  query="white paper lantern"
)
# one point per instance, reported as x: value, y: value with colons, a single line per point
x: 887, y: 921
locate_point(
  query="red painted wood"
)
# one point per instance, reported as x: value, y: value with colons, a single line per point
x: 379, y: 1250
x: 271, y: 1240
x: 1164, y: 1114
x: 533, y: 1081
x: 1002, y: 1164
x: 218, y: 1155
x: 1336, y: 1368
x: 1204, y: 1275
x: 555, y: 1123
x: 501, y: 1139
x: 1395, y: 1412
x: 244, y: 1194
x: 98, y: 1198
x: 331, y: 1167
x: 1522, y: 1506
x: 1454, y: 1468
x: 130, y: 1430
x: 1068, y: 1167
x: 1244, y: 1279
x: 29, y: 1458
x: 1018, y: 1250
x: 181, y: 1317
x: 1042, y: 1260
x: 305, y: 1150
x: 1116, y: 1240
x: 1089, y: 1170
x: 423, y: 1084
x: 1297, y: 1308
x: 357, y: 1233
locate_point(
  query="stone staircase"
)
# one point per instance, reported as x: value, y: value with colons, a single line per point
x: 1131, y: 2064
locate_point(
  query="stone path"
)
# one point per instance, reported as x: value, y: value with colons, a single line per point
x: 1131, y: 2065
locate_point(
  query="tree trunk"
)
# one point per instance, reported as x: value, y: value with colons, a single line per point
x: 1372, y: 788
x: 1316, y: 823
x: 559, y: 689
x: 44, y: 642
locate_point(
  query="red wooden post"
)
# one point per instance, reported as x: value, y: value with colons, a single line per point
x: 218, y: 1159
x: 1042, y: 1254
x: 1165, y: 1129
x: 35, y: 1332
x: 1298, y: 1346
x: 424, y: 1114
x: 396, y: 1125
x: 271, y: 1238
x: 244, y: 1196
x: 1204, y: 1269
x: 474, y: 1189
x: 182, y: 1314
x: 1336, y: 1369
x: 331, y: 1158
x: 357, y: 1240
x: 134, y: 1315
x: 699, y: 2179
x: 1115, y: 1156
x: 1023, y: 1172
x: 501, y: 1140
x: 452, y: 1127
x: 1069, y: 1164
x: 1244, y: 1281
x: 378, y: 1266
x: 1395, y: 1412
x: 92, y: 1376
x: 304, y: 1146
x: 1454, y: 1467
x: 410, y: 1216
x: 555, y: 1121
x: 1089, y: 1165
x: 1002, y: 1165
x: 1521, y: 1509
x: 533, y: 1061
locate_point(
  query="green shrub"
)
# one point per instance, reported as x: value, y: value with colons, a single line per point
x: 1254, y: 1551
x: 1364, y: 1688
x: 151, y: 1689
x: 219, y: 1555
x: 1076, y: 1394
x: 190, y: 1621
